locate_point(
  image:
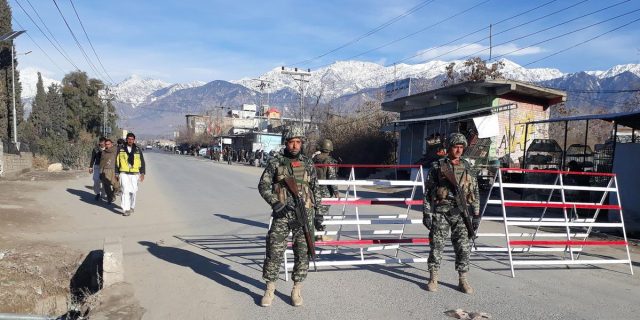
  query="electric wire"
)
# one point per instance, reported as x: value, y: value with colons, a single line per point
x: 84, y: 53
x: 37, y: 45
x: 370, y: 32
x: 47, y: 37
x: 90, y: 44
x: 47, y: 28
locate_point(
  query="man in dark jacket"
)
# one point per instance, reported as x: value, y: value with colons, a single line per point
x: 94, y: 166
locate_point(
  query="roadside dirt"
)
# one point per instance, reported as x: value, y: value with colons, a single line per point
x: 34, y: 276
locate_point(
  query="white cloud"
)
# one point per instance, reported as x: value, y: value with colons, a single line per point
x: 473, y: 49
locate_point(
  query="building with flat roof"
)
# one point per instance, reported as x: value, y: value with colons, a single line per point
x: 491, y: 113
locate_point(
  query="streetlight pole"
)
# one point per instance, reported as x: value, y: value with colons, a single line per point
x: 9, y: 37
x: 301, y: 80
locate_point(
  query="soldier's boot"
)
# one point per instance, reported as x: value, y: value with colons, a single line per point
x: 269, y: 294
x: 464, y: 283
x: 432, y: 285
x: 296, y: 294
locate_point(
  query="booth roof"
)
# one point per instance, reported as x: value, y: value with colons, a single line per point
x: 627, y: 119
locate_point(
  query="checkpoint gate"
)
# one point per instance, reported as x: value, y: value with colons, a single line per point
x: 573, y: 231
x: 352, y: 242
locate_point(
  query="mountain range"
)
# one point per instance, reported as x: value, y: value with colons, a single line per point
x: 154, y: 107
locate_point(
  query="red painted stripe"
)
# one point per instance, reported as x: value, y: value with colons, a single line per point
x: 371, y: 241
x: 561, y: 205
x: 389, y: 166
x: 603, y: 174
x: 567, y: 243
x: 371, y: 202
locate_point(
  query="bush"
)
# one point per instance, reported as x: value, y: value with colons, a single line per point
x: 40, y: 162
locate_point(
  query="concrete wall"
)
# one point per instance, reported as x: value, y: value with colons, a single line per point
x: 512, y: 137
x: 13, y: 164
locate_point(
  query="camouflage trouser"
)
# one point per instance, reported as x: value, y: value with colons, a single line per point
x: 277, y: 244
x: 442, y: 222
x: 324, y: 210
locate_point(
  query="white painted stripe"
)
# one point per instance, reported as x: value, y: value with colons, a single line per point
x: 538, y: 235
x: 365, y: 262
x: 551, y: 186
x: 565, y: 224
x: 565, y: 262
x: 533, y: 249
x: 372, y: 221
x: 369, y: 183
x: 535, y: 219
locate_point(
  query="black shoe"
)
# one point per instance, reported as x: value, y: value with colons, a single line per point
x: 97, y: 197
x: 110, y: 200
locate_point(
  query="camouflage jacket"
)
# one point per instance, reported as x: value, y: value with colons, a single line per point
x: 326, y: 173
x: 439, y: 193
x: 273, y: 190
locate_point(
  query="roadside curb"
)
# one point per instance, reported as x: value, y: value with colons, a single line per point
x: 112, y: 267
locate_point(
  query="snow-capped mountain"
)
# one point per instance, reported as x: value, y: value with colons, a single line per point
x: 166, y: 91
x: 135, y: 89
x: 347, y: 77
x: 29, y: 80
x: 616, y: 70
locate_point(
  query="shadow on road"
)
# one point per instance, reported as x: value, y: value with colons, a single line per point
x: 89, y: 197
x: 212, y: 269
x: 242, y: 221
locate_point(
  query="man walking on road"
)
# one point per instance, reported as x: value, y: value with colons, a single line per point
x: 325, y: 173
x: 130, y: 168
x: 94, y: 166
x: 443, y: 212
x: 290, y: 163
x: 108, y: 170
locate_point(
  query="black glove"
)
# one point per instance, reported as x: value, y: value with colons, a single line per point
x: 427, y: 221
x: 279, y: 209
x: 475, y: 222
x: 317, y: 223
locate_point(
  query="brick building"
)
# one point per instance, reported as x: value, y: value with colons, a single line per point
x: 491, y: 113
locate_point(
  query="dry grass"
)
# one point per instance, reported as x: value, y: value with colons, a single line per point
x: 40, y: 162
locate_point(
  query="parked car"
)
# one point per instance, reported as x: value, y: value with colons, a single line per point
x: 202, y: 152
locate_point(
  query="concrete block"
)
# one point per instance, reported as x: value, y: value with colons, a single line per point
x: 112, y: 268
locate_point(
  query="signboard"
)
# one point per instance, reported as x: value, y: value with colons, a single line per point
x: 487, y: 126
x: 226, y: 141
x: 397, y: 89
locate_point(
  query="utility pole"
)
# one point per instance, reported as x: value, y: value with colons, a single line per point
x: 263, y: 84
x: 105, y: 112
x: 300, y: 77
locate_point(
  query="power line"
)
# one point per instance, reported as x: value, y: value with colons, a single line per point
x: 370, y: 32
x: 37, y: 45
x: 494, y: 24
x: 47, y: 28
x: 413, y: 33
x: 572, y: 32
x: 90, y: 44
x: 45, y: 35
x: 84, y: 53
x: 583, y: 42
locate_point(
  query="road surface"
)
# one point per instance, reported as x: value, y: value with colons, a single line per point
x: 194, y: 248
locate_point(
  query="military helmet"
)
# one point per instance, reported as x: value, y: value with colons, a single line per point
x: 456, y: 138
x: 325, y: 145
x: 293, y: 132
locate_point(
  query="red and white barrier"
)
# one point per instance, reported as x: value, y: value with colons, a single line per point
x: 576, y: 230
x: 354, y: 242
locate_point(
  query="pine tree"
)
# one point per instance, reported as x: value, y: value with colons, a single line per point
x: 84, y: 107
x: 57, y: 113
x: 39, y: 117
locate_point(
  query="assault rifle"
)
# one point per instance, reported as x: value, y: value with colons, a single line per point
x: 461, y: 202
x: 301, y: 217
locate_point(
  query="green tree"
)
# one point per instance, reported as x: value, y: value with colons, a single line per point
x: 83, y: 103
x: 57, y: 112
x: 39, y: 117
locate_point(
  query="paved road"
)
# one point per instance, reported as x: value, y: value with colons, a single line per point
x: 194, y: 249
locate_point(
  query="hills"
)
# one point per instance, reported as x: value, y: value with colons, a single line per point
x: 151, y: 106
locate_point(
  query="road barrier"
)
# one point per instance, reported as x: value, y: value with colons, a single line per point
x: 573, y: 230
x: 353, y: 243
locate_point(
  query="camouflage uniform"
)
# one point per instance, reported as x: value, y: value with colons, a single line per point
x: 273, y: 190
x: 326, y: 173
x: 439, y: 201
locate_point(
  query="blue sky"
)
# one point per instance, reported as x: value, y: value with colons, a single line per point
x: 181, y: 41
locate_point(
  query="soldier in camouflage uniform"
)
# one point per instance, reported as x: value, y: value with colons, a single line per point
x: 288, y: 163
x: 325, y: 173
x: 441, y: 212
